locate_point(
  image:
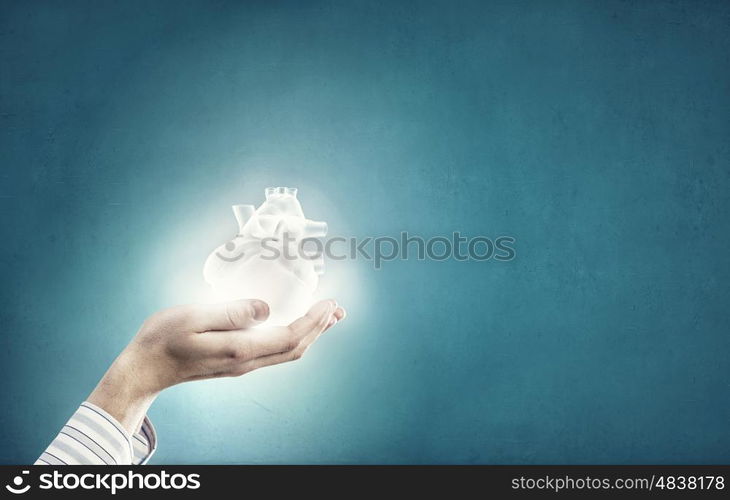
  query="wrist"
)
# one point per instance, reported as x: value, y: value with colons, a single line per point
x: 126, y: 391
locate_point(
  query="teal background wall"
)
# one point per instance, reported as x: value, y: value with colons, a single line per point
x: 594, y: 132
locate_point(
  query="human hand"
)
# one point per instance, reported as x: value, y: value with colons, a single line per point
x: 195, y: 342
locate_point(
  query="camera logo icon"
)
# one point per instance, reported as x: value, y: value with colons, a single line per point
x: 17, y: 487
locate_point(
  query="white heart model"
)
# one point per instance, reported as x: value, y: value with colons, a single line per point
x: 265, y: 259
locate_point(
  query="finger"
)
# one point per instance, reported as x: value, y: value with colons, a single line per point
x: 235, y: 315
x: 294, y: 354
x: 282, y: 357
x: 337, y: 316
x: 239, y: 346
x: 316, y: 318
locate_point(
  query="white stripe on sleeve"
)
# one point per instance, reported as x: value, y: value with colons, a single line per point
x: 144, y: 443
x: 93, y: 437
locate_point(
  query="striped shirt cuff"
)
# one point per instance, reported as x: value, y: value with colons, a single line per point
x: 93, y: 437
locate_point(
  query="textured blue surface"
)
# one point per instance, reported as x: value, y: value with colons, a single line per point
x: 596, y: 133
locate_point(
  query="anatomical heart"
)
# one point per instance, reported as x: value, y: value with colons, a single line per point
x: 267, y: 259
